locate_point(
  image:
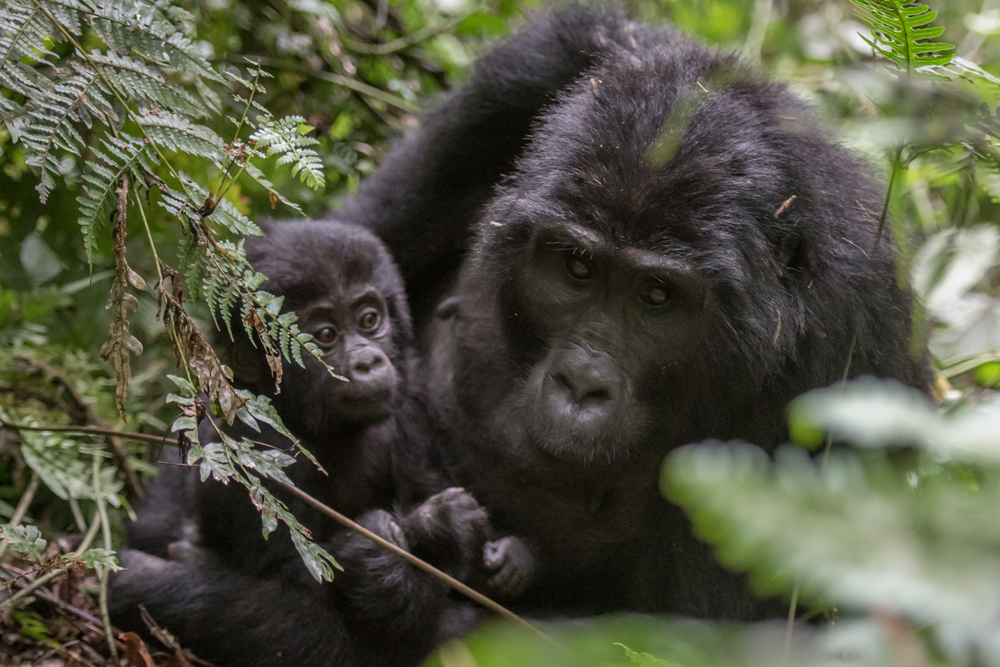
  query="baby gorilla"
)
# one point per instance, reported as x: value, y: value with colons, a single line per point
x: 375, y: 440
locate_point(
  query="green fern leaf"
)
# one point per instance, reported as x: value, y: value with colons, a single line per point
x: 901, y: 33
x: 284, y: 137
x: 130, y: 27
x: 51, y: 121
x: 24, y: 31
x: 226, y: 215
x: 177, y: 133
x: 145, y: 85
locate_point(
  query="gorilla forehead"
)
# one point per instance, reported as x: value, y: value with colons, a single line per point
x: 676, y: 146
x: 305, y: 260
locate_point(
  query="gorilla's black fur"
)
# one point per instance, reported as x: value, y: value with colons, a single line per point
x: 375, y: 439
x: 680, y: 251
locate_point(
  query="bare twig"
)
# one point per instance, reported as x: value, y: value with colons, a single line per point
x: 91, y: 430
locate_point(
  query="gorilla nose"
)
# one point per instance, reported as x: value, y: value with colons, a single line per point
x: 370, y: 371
x: 585, y: 380
x: 367, y: 362
x: 583, y: 389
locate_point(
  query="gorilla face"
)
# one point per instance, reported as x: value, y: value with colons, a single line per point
x: 354, y: 331
x: 643, y: 280
x: 609, y: 321
x: 347, y: 293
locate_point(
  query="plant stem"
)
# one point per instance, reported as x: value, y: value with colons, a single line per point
x: 103, y: 575
x: 90, y: 430
x: 893, y: 175
x: 758, y: 29
x: 22, y: 506
x: 407, y: 40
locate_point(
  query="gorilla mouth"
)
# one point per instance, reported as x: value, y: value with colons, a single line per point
x: 582, y: 436
x: 364, y: 408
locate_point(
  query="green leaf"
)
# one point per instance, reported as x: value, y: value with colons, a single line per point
x: 864, y: 535
x: 645, y: 659
x: 102, y: 560
x: 24, y: 540
x: 282, y: 138
x: 901, y: 33
x: 882, y: 413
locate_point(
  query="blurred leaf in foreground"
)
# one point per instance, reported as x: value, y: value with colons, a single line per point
x: 866, y: 530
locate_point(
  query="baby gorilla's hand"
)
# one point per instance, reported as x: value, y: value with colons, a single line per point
x: 448, y: 530
x: 452, y: 515
x: 385, y: 526
x: 510, y: 565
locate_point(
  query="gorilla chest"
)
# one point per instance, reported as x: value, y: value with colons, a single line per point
x: 589, y: 521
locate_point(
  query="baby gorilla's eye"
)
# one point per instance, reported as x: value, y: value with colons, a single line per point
x: 655, y: 294
x: 369, y: 320
x: 579, y: 268
x: 326, y: 335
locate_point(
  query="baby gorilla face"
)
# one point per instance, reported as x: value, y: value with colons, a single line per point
x: 346, y: 292
x: 355, y: 333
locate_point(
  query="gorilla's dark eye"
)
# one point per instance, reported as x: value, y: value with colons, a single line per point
x: 579, y: 268
x: 369, y: 320
x: 655, y: 294
x: 326, y: 335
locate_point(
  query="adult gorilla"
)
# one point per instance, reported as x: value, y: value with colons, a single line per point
x: 679, y: 252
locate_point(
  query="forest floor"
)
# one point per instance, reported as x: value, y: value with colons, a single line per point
x: 61, y: 624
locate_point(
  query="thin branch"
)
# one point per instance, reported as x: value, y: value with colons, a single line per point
x: 95, y: 622
x: 406, y: 40
x: 91, y: 430
x: 340, y: 80
x: 81, y: 412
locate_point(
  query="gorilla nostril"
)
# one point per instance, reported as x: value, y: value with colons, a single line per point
x: 367, y: 365
x: 594, y: 398
x: 563, y: 383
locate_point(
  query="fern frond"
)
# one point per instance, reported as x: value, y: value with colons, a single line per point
x: 254, y: 172
x: 135, y: 27
x: 51, y: 123
x: 973, y: 78
x: 175, y: 132
x: 145, y: 85
x: 100, y: 179
x: 226, y: 214
x: 902, y: 34
x: 24, y: 31
x: 286, y: 137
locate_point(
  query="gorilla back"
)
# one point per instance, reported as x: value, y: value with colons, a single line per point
x: 680, y: 251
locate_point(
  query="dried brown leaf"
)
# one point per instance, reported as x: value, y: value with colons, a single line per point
x: 136, y: 652
x: 120, y: 342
